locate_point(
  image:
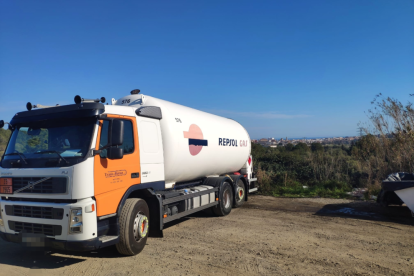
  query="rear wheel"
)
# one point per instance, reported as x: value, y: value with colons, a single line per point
x: 226, y: 200
x: 133, y: 227
x: 240, y: 196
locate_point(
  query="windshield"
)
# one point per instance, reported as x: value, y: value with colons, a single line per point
x: 49, y: 143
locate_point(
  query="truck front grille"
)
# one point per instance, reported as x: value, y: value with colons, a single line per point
x: 54, y: 185
x: 34, y: 212
x: 46, y: 229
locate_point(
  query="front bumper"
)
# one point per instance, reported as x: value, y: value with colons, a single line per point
x: 86, y: 245
x: 62, y: 239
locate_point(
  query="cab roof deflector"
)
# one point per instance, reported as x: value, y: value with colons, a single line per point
x: 149, y: 112
x: 59, y: 112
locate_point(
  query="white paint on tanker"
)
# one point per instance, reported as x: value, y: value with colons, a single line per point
x: 196, y: 144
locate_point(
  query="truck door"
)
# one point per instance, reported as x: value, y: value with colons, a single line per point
x: 112, y: 178
x: 151, y: 151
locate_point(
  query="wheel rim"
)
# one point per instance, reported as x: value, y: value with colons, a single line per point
x: 226, y: 199
x: 240, y: 193
x: 140, y: 226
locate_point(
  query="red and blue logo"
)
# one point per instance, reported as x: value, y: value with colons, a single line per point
x: 195, y: 139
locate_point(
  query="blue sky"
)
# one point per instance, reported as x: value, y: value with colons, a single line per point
x: 280, y: 68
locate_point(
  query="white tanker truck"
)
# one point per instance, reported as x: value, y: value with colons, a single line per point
x: 88, y: 175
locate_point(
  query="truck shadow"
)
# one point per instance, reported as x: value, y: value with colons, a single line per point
x: 368, y: 211
x: 17, y: 255
x: 44, y: 258
x: 14, y: 254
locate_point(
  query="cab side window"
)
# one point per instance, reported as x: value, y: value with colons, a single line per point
x: 128, y: 144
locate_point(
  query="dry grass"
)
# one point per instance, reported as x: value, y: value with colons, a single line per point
x: 389, y: 142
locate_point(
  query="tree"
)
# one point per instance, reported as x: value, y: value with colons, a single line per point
x: 316, y: 147
x: 302, y: 147
x: 289, y: 147
x: 258, y: 150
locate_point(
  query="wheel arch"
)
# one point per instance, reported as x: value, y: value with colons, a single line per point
x: 147, y: 192
x: 218, y: 181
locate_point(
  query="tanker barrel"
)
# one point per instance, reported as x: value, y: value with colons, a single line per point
x: 192, y: 144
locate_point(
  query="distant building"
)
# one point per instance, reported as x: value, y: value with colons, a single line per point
x: 272, y: 142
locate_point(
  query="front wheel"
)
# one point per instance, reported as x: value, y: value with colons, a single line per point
x: 133, y: 227
x: 226, y: 200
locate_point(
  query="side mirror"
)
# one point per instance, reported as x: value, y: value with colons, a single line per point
x: 115, y: 153
x: 117, y: 133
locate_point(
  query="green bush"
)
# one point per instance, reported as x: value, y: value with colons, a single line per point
x: 332, y: 170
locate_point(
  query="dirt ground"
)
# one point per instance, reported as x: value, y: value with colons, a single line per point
x: 267, y: 236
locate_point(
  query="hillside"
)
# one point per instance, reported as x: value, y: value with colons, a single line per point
x: 4, y: 138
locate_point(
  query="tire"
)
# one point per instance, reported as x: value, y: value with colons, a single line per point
x: 133, y: 227
x: 240, y: 195
x: 226, y: 201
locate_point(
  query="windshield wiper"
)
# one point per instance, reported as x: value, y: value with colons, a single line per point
x: 21, y: 155
x: 53, y: 151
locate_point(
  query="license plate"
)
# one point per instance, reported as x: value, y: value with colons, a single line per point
x: 33, y: 240
x: 6, y: 185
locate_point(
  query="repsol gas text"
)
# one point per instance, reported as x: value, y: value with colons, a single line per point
x: 227, y: 142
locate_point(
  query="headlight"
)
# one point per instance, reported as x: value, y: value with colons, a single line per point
x: 75, y: 221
